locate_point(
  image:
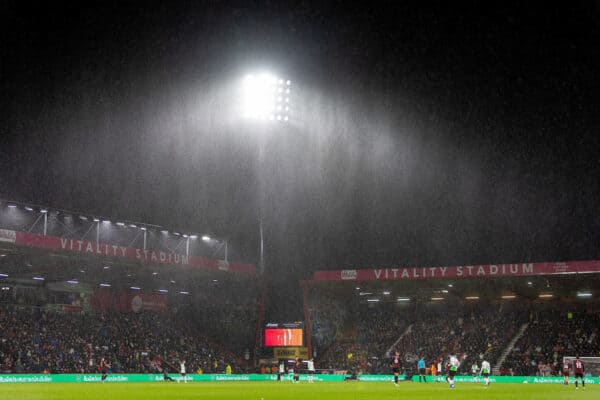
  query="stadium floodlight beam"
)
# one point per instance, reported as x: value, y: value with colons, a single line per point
x: 266, y: 97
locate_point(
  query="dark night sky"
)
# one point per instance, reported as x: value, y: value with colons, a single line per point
x: 445, y: 134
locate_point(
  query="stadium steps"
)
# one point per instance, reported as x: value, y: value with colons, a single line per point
x: 506, y: 352
x: 393, y: 347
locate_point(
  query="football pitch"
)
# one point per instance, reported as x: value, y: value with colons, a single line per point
x: 288, y: 391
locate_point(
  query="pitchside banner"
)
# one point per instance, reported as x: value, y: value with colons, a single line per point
x: 108, y: 250
x: 83, y: 378
x: 462, y: 271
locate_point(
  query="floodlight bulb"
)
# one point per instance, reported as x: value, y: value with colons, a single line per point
x: 288, y: 82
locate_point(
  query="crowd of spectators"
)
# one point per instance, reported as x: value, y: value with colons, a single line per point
x: 38, y: 341
x: 472, y: 331
x: 550, y: 336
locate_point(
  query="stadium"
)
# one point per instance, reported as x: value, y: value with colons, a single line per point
x: 299, y: 200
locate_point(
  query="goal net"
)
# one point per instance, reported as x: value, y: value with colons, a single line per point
x: 591, y: 364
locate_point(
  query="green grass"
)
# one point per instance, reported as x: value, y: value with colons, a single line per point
x: 290, y: 391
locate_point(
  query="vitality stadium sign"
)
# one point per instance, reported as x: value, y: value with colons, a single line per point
x: 111, y: 250
x: 461, y: 271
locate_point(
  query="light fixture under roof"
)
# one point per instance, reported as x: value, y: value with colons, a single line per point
x: 3, y: 275
x: 28, y: 208
x: 437, y: 298
x: 73, y: 282
x: 10, y: 205
x: 184, y: 292
x: 105, y: 284
x: 472, y: 298
x: 372, y: 300
x: 43, y: 211
x: 546, y: 296
x: 403, y: 299
x: 135, y: 288
x: 509, y: 296
x: 38, y: 278
x: 584, y: 294
x: 163, y: 290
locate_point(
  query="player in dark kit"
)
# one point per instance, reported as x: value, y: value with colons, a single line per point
x: 579, y: 370
x: 396, y: 367
x: 103, y: 366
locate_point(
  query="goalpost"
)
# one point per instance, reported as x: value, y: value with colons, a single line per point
x: 591, y: 364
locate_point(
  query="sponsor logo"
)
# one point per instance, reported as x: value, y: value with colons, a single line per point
x: 348, y: 274
x: 561, y: 267
x: 223, y: 265
x: 8, y: 236
x: 136, y: 304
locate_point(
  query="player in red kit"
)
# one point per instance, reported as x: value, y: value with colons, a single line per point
x: 396, y: 367
x: 579, y: 370
x: 103, y: 366
x: 566, y: 368
x: 297, y: 363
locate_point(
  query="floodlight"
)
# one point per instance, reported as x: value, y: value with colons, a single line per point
x: 206, y: 238
x: 105, y: 284
x: 12, y: 206
x: 121, y: 223
x: 584, y: 294
x: 261, y: 94
x: 28, y: 208
x: 43, y: 211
